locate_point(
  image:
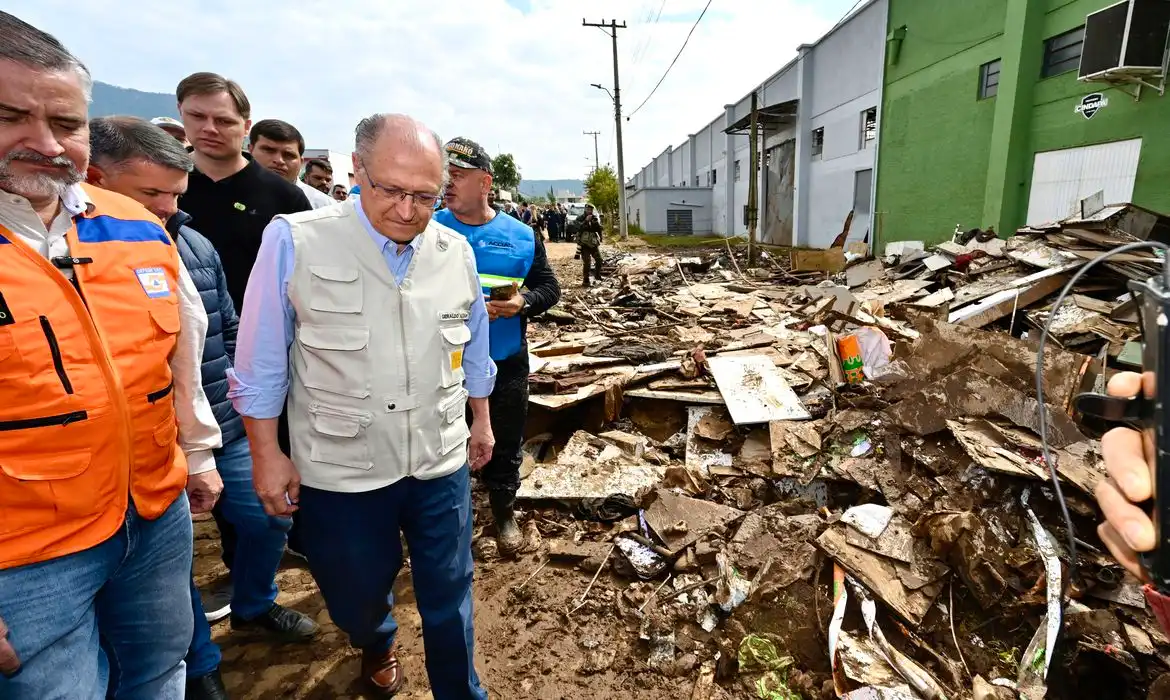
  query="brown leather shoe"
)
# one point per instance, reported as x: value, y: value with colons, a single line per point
x: 382, y: 673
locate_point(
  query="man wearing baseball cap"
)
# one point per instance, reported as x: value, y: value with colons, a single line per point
x: 509, y: 257
x: 172, y: 126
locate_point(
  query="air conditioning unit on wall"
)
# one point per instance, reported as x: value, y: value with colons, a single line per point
x: 1127, y: 43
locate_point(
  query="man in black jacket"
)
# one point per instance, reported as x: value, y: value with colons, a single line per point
x: 137, y: 159
x: 510, y: 256
x: 589, y: 243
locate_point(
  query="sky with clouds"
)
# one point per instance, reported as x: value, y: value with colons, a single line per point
x: 512, y: 74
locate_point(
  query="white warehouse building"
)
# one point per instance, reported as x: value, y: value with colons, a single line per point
x: 818, y: 124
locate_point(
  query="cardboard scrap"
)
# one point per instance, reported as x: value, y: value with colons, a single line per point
x: 880, y: 575
x: 680, y: 521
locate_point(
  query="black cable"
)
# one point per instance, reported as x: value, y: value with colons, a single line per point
x: 685, y: 42
x: 1042, y: 407
x: 650, y: 35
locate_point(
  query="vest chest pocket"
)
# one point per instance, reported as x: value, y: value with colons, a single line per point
x: 339, y: 436
x: 334, y: 359
x: 456, y: 336
x: 335, y: 289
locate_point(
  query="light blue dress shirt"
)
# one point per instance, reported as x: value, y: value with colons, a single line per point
x: 259, y: 381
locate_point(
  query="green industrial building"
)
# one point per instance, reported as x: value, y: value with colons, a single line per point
x: 986, y: 121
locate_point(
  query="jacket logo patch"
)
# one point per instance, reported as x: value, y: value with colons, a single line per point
x: 454, y: 315
x: 498, y: 244
x: 153, y: 281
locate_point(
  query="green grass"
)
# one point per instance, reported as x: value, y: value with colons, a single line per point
x: 665, y: 241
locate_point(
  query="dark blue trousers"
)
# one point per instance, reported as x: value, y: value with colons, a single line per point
x: 354, y: 552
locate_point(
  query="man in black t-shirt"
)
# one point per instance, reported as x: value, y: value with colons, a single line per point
x: 230, y: 197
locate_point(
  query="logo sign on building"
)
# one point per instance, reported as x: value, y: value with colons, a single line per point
x: 1091, y: 104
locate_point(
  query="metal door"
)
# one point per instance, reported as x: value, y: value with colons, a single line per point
x: 679, y: 222
x: 1061, y: 179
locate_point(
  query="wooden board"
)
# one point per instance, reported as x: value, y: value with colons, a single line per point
x: 754, y: 390
x: 1003, y: 303
x: 622, y: 375
x: 831, y: 260
x: 709, y: 396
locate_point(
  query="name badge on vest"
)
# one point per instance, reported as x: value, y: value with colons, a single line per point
x: 153, y: 281
x: 445, y: 316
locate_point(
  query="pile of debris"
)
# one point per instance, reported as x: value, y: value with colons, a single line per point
x: 754, y: 457
x: 978, y: 280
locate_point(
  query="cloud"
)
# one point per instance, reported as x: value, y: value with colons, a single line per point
x: 513, y: 75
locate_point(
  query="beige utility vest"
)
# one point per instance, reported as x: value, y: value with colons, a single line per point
x: 376, y: 387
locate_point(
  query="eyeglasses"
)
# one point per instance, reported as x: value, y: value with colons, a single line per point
x: 396, y: 195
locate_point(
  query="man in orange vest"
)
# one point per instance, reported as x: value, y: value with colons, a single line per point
x: 102, y: 411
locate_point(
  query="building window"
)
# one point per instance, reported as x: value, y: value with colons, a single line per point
x: 737, y: 171
x: 712, y: 178
x: 1062, y: 53
x: 818, y: 142
x: 868, y: 127
x: 989, y: 79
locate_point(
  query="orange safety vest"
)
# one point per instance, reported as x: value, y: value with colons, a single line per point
x: 87, y: 414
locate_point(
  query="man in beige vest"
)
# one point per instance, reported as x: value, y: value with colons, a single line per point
x: 368, y: 316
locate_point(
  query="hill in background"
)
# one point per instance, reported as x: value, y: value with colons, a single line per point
x: 539, y: 188
x: 111, y: 99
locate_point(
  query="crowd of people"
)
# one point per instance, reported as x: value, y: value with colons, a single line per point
x: 190, y: 325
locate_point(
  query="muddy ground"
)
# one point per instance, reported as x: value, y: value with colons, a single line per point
x: 528, y: 645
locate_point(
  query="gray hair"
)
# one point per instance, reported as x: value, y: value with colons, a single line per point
x: 408, y: 130
x: 22, y: 43
x: 117, y: 141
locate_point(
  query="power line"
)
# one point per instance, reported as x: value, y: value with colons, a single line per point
x: 685, y: 42
x: 650, y: 34
x: 847, y: 15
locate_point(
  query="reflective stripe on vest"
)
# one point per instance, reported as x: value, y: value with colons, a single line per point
x: 87, y: 413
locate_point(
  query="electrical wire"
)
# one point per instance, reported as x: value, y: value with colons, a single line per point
x: 1042, y: 409
x: 846, y: 16
x: 684, y: 46
x: 650, y: 35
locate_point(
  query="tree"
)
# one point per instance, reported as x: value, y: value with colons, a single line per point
x: 505, y: 173
x: 551, y: 195
x: 601, y: 189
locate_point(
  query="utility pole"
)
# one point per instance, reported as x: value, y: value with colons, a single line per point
x: 613, y: 28
x: 596, y: 160
x: 753, y: 186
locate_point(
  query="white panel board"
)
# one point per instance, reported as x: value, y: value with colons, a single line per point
x: 754, y: 390
x: 1061, y: 179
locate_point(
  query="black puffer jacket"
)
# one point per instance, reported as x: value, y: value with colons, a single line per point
x: 219, y: 350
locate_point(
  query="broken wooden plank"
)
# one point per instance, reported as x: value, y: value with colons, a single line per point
x: 700, y: 396
x: 1004, y: 303
x: 936, y: 299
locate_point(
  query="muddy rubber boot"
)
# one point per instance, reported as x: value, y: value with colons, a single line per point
x: 508, y: 535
